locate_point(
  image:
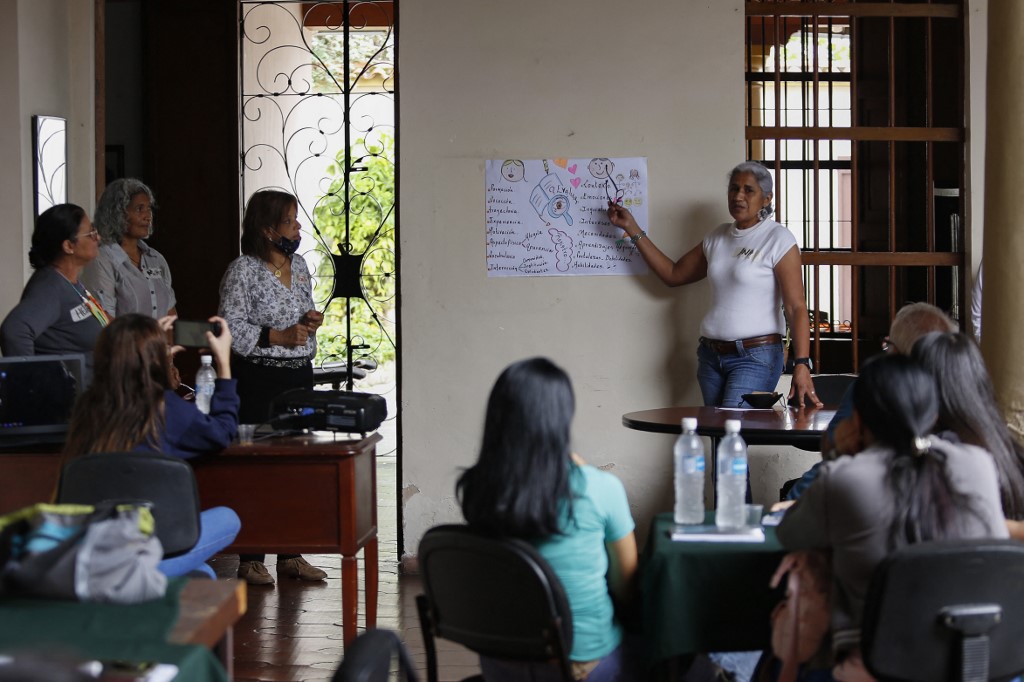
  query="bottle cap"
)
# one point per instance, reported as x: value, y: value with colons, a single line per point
x: 206, y: 359
x: 689, y: 423
x: 732, y: 425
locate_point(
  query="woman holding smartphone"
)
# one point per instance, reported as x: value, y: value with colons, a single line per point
x: 131, y: 405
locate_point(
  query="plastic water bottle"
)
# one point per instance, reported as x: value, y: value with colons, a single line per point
x: 689, y: 467
x: 205, y: 378
x: 732, y: 478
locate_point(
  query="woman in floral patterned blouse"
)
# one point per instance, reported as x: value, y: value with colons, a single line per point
x: 266, y: 297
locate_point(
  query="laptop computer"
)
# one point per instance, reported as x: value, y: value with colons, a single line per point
x: 37, y: 394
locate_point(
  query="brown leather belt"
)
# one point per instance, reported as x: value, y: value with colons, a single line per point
x: 729, y: 347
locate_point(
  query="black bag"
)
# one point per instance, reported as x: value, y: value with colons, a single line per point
x: 106, y: 553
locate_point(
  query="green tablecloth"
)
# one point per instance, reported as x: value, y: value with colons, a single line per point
x: 706, y: 596
x: 86, y: 631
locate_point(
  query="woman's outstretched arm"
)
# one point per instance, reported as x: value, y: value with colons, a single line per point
x: 692, y: 267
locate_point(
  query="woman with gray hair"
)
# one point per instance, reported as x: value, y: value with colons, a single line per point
x: 129, y: 276
x: 753, y: 264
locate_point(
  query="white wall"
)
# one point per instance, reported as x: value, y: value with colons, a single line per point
x: 534, y: 79
x: 12, y: 131
x: 977, y: 36
x: 46, y: 67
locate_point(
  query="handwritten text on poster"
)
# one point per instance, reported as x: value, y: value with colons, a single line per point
x: 548, y: 217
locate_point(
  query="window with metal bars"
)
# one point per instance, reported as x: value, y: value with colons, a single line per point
x: 857, y: 108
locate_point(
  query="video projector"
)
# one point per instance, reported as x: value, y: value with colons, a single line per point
x: 305, y: 408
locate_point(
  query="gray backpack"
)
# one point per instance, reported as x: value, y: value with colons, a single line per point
x: 106, y: 553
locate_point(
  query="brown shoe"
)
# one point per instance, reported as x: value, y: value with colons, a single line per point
x: 254, y: 573
x: 299, y: 569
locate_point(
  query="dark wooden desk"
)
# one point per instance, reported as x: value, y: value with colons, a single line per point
x: 199, y: 613
x: 312, y: 493
x: 209, y: 611
x: 788, y: 426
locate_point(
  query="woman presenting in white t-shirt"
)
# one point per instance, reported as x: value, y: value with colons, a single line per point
x: 754, y: 267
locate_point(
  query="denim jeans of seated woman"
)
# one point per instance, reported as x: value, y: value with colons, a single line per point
x: 724, y: 378
x: 625, y: 664
x: 218, y: 528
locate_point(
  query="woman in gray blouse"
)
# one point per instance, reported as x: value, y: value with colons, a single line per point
x: 57, y: 314
x: 905, y: 486
x: 129, y: 276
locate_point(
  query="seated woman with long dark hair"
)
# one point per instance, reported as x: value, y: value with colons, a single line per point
x: 130, y: 405
x: 528, y: 484
x: 904, y: 487
x: 968, y: 411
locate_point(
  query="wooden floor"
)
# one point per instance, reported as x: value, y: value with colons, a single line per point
x: 292, y: 630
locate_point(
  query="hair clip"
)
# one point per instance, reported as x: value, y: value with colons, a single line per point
x: 921, y: 445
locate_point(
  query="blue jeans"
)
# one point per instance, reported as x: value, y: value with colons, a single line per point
x: 740, y: 663
x: 218, y: 528
x: 724, y: 378
x: 625, y: 664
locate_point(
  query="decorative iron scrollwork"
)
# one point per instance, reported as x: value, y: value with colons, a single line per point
x: 317, y: 105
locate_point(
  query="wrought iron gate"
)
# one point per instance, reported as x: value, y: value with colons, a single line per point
x: 317, y: 102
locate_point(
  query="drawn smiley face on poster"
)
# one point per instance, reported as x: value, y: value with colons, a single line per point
x: 600, y: 168
x: 513, y: 170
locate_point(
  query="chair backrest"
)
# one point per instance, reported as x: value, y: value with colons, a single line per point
x: 498, y: 597
x: 937, y: 610
x: 166, y: 483
x: 831, y: 387
x: 368, y: 659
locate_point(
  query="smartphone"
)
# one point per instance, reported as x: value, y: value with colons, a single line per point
x: 192, y: 333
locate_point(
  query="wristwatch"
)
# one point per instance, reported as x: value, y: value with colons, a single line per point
x: 806, y: 362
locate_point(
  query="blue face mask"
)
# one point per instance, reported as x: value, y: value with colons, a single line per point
x: 285, y: 245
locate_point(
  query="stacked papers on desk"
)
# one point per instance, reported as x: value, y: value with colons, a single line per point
x: 706, y: 533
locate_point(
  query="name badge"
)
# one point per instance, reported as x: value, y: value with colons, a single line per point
x: 79, y: 313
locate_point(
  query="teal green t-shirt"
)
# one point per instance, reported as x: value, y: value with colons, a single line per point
x: 580, y: 560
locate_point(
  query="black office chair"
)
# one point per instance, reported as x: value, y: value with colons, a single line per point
x: 951, y: 610
x: 167, y: 484
x: 831, y: 387
x: 368, y: 659
x: 498, y: 597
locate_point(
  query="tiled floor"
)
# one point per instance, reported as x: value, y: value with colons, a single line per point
x: 292, y: 631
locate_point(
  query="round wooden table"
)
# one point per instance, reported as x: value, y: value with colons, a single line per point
x: 786, y: 426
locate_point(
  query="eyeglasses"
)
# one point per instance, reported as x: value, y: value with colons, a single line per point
x: 91, y: 234
x: 888, y: 346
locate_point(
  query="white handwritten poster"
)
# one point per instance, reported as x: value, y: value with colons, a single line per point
x: 548, y: 217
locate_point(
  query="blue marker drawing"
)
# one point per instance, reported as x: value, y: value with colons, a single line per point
x: 548, y: 200
x: 563, y: 249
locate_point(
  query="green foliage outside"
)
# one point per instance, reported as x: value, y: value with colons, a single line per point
x: 372, y: 233
x: 371, y: 203
x: 371, y: 59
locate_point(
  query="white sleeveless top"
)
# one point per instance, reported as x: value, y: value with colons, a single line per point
x: 745, y: 297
